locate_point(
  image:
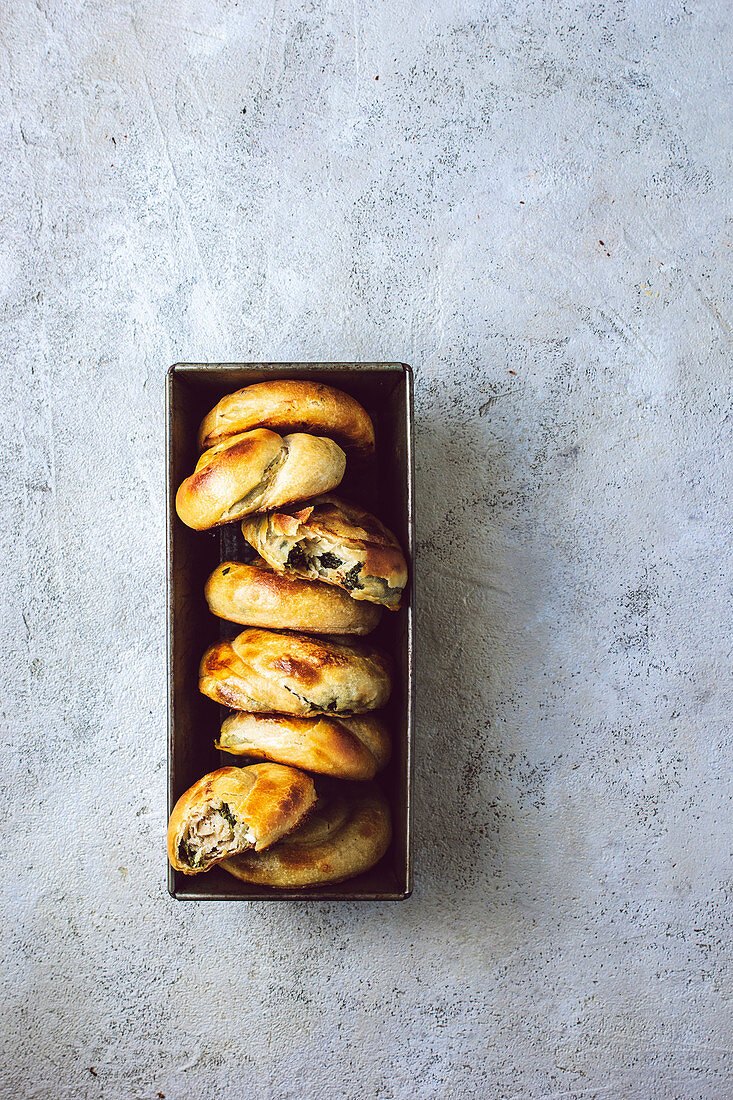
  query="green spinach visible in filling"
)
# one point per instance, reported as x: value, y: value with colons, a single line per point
x: 350, y: 580
x: 330, y: 561
x: 227, y: 814
x: 186, y: 854
x: 297, y: 559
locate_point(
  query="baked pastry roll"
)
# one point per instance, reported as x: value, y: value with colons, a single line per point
x: 233, y: 810
x: 330, y: 540
x: 353, y: 747
x: 255, y: 470
x: 287, y: 405
x: 344, y: 836
x: 265, y: 670
x: 254, y: 595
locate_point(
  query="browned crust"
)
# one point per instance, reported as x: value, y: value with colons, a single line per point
x: 333, y: 517
x: 255, y: 470
x: 255, y: 595
x: 271, y: 798
x: 225, y: 476
x: 347, y: 748
x: 348, y: 525
x: 307, y: 672
x: 290, y: 405
x: 266, y: 670
x: 316, y: 853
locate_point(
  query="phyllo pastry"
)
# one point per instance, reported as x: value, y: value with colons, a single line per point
x: 290, y: 405
x: 330, y: 540
x: 233, y: 810
x: 255, y: 595
x: 261, y: 671
x: 255, y: 470
x: 344, y: 836
x: 353, y: 747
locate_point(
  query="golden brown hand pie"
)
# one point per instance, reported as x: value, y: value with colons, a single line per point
x: 254, y: 595
x: 354, y: 747
x: 266, y: 670
x: 287, y: 405
x: 235, y: 809
x: 346, y: 834
x: 256, y: 470
x: 330, y: 540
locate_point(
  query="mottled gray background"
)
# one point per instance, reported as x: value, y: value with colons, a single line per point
x: 526, y: 201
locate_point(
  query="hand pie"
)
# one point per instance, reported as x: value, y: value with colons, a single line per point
x: 267, y: 670
x: 256, y: 470
x: 344, y: 836
x: 254, y: 595
x: 347, y: 747
x: 330, y: 540
x: 233, y: 810
x: 288, y: 405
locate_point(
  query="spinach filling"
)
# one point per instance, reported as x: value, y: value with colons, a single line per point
x: 297, y: 559
x: 329, y: 707
x: 186, y: 855
x: 330, y: 561
x: 350, y: 580
x: 227, y: 814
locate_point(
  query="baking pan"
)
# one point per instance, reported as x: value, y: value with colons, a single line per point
x: 192, y: 389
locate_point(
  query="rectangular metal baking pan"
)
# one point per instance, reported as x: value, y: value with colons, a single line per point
x: 385, y: 390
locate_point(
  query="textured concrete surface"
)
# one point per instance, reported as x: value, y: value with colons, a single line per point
x: 527, y: 201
